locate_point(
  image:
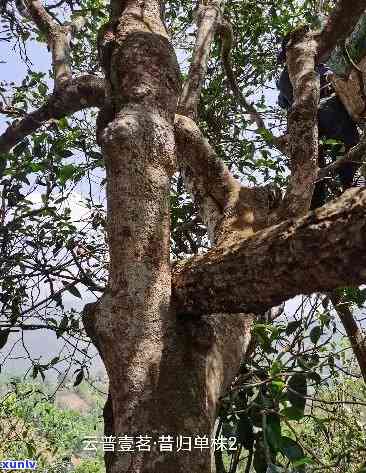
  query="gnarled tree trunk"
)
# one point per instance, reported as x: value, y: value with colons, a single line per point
x: 166, y: 374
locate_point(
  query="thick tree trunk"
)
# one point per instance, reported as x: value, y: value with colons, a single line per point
x: 166, y: 375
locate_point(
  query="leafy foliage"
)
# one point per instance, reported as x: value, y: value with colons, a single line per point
x: 288, y: 395
x: 33, y: 426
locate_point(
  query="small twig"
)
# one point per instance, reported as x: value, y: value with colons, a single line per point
x: 226, y: 34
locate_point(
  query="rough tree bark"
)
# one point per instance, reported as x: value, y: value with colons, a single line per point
x: 153, y: 359
x: 302, y: 123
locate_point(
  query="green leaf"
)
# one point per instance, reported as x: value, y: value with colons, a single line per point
x: 355, y: 295
x: 4, y: 335
x: 325, y: 319
x: 35, y: 371
x: 79, y: 378
x: 315, y: 334
x: 291, y: 449
x: 266, y: 134
x: 277, y: 386
x: 293, y: 326
x: 245, y: 432
x: 273, y: 431
x: 227, y: 429
x: 331, y: 141
x: 42, y: 373
x: 62, y: 327
x: 22, y: 146
x: 54, y: 360
x: 66, y: 153
x: 292, y: 413
x: 66, y: 172
x: 313, y: 376
x: 31, y: 450
x: 261, y: 333
x: 63, y: 123
x: 276, y: 367
x: 297, y: 391
x: 303, y: 461
x: 304, y: 362
x: 42, y: 88
x: 74, y: 291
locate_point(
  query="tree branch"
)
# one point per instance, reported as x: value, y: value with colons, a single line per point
x: 354, y: 334
x: 41, y: 18
x: 208, y: 14
x: 320, y: 252
x: 357, y: 154
x: 75, y: 95
x: 69, y: 96
x: 58, y: 36
x: 339, y: 61
x: 340, y: 24
x: 302, y: 124
x: 223, y: 202
x: 226, y: 34
x: 219, y: 197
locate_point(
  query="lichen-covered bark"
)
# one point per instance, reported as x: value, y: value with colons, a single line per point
x: 208, y: 14
x: 302, y: 124
x: 166, y: 384
x: 156, y: 363
x: 352, y: 91
x: 154, y: 359
x: 130, y: 322
x: 348, y: 62
x: 338, y: 60
x: 320, y: 252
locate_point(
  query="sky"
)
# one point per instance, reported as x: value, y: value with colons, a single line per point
x: 13, y: 69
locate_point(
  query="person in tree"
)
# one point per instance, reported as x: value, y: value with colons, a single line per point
x: 334, y: 123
